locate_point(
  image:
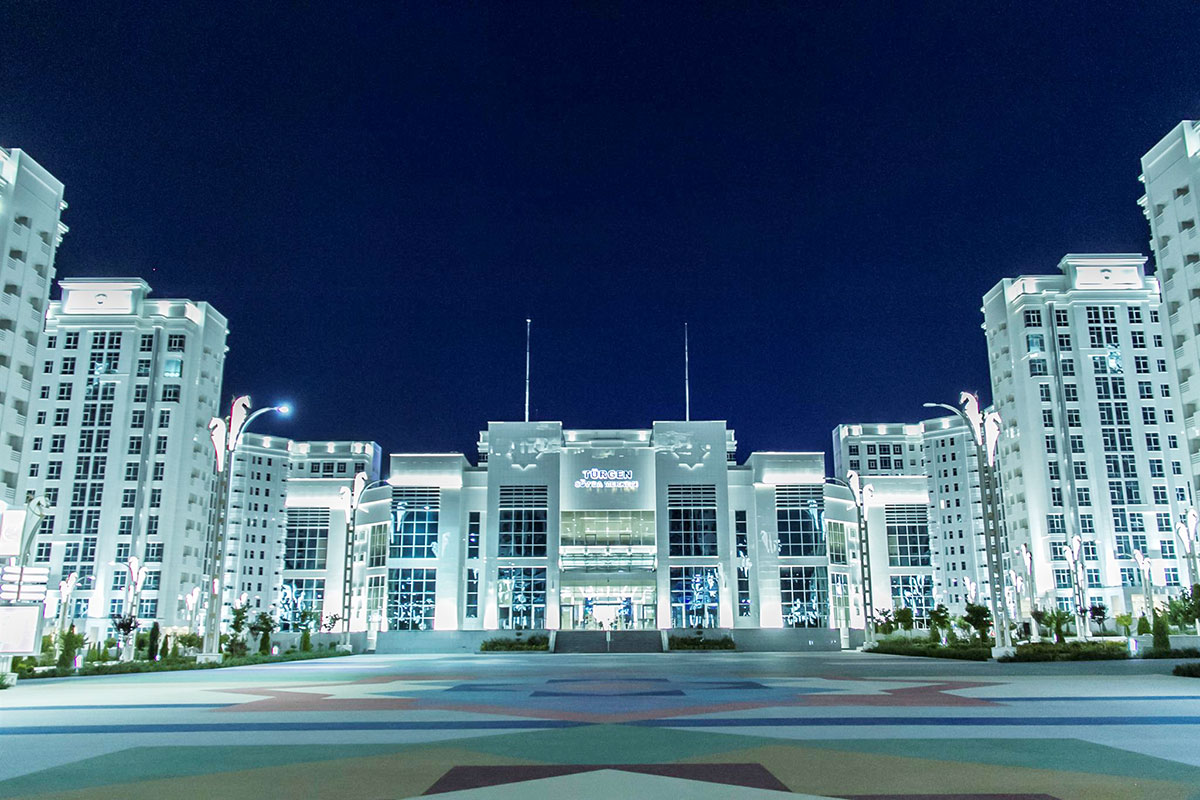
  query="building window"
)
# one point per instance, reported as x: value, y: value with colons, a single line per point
x: 695, y: 597
x: 836, y: 534
x: 799, y: 513
x: 521, y: 597
x: 170, y: 393
x: 1033, y: 318
x: 377, y: 552
x: 415, y: 514
x: 692, y: 520
x: 472, y: 599
x: 176, y: 342
x: 804, y: 596
x: 913, y: 591
x: 473, y: 533
x: 907, y: 535
x: 301, y: 602
x: 306, y: 540
x: 522, y: 522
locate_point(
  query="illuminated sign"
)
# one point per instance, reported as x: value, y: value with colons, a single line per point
x: 607, y: 479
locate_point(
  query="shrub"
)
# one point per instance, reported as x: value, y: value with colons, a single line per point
x: 1143, y: 626
x: 1162, y: 636
x: 1180, y: 652
x: 1190, y: 670
x: 963, y: 651
x: 1069, y: 651
x: 504, y: 643
x: 152, y: 641
x: 979, y: 617
x: 700, y: 643
x: 305, y: 641
x: 126, y: 667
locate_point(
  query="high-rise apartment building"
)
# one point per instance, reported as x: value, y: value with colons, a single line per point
x: 1171, y: 174
x: 119, y: 445
x: 255, y: 540
x: 31, y: 201
x: 1092, y: 441
x: 941, y: 454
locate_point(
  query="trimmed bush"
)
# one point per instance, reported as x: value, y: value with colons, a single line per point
x: 511, y: 644
x: 1189, y: 670
x: 700, y: 643
x: 127, y: 667
x: 1179, y: 652
x: 1070, y: 651
x: 963, y: 651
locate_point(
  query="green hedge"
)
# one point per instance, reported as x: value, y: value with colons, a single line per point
x: 172, y: 665
x: 700, y: 643
x: 1070, y: 651
x: 1178, y: 652
x: 903, y: 647
x: 509, y: 644
x: 1190, y: 670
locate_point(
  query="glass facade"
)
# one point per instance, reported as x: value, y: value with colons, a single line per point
x: 695, y: 597
x: 804, y: 596
x: 410, y: 599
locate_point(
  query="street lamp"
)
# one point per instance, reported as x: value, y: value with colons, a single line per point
x: 353, y: 496
x: 226, y: 434
x: 1027, y: 560
x: 1144, y: 564
x: 859, y: 494
x: 1185, y: 531
x: 985, y: 430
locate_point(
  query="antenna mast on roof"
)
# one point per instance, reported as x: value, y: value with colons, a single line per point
x: 527, y: 341
x: 687, y: 385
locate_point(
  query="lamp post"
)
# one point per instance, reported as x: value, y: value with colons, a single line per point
x: 353, y: 496
x: 1185, y: 531
x: 1027, y: 560
x: 985, y: 430
x: 1075, y: 561
x: 1144, y: 565
x: 858, y: 494
x: 226, y: 434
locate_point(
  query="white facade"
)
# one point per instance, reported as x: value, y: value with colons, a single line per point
x: 1092, y: 440
x: 119, y: 445
x: 631, y: 528
x: 941, y: 452
x: 255, y: 540
x: 1171, y: 174
x: 316, y: 518
x: 31, y: 201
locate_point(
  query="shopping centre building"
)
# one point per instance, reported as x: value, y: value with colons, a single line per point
x: 658, y: 527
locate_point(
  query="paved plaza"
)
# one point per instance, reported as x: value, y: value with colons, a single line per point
x: 719, y: 725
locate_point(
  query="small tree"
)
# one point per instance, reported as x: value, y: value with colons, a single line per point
x: 70, y: 644
x: 164, y: 648
x: 1125, y: 621
x: 905, y: 619
x: 939, y: 619
x: 979, y: 617
x: 236, y: 645
x: 152, y: 642
x: 1057, y: 620
x: 1162, y: 636
x: 885, y: 623
x: 262, y: 627
x: 1143, y: 626
x: 1098, y: 614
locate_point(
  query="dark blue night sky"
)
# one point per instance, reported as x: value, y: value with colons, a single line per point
x: 378, y: 195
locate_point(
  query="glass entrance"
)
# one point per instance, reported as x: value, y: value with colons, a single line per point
x: 608, y: 607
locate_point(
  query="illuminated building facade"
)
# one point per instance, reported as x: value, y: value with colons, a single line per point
x: 31, y: 201
x: 628, y: 529
x: 119, y: 447
x: 941, y: 453
x: 1171, y: 174
x: 1092, y: 442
